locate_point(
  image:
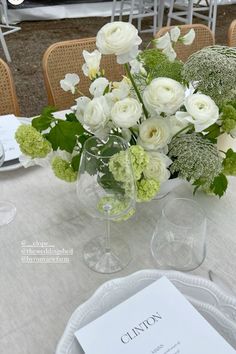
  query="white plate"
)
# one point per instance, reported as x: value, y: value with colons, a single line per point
x: 17, y: 165
x: 217, y: 307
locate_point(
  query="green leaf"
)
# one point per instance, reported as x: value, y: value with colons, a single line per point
x: 212, y: 133
x: 219, y: 185
x: 64, y: 135
x: 44, y: 121
x: 71, y: 117
x: 198, y: 183
x: 75, y: 162
x: 108, y: 182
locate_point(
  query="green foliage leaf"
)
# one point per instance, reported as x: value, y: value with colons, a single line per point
x: 229, y: 163
x: 212, y: 133
x: 108, y: 182
x: 71, y: 117
x: 44, y: 121
x: 219, y: 185
x: 64, y: 135
x: 75, y: 162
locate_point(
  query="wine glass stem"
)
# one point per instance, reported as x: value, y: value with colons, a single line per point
x: 108, y: 236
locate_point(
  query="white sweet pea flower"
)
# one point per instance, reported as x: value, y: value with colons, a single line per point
x: 177, y: 125
x: 163, y: 42
x: 91, y: 66
x: 174, y: 34
x: 189, y: 37
x: 126, y: 113
x: 98, y: 86
x: 119, y: 38
x: 121, y: 89
x: 81, y: 104
x: 137, y: 67
x: 97, y: 113
x: 157, y: 167
x: 170, y: 53
x: 69, y: 82
x: 201, y: 111
x: 126, y: 134
x: 163, y: 95
x: 154, y: 134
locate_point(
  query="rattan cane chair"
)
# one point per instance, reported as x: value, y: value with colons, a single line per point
x: 66, y: 57
x: 232, y: 34
x: 204, y: 38
x: 8, y: 99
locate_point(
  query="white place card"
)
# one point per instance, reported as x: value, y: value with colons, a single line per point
x: 156, y: 320
x: 8, y: 127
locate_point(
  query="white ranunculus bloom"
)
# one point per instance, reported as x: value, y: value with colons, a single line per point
x: 69, y: 82
x: 121, y: 89
x: 176, y: 125
x: 81, y: 104
x: 97, y: 113
x: 170, y: 53
x: 189, y: 37
x: 174, y: 34
x: 201, y: 111
x: 126, y: 113
x: 119, y: 38
x: 157, y: 167
x: 98, y: 86
x: 91, y: 66
x: 163, y: 42
x: 163, y: 95
x: 154, y: 134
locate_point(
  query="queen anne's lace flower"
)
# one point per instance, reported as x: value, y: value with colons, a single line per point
x: 31, y: 142
x: 63, y: 170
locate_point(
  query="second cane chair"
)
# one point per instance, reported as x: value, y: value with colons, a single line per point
x: 8, y: 99
x: 66, y: 57
x: 204, y: 38
x: 232, y: 34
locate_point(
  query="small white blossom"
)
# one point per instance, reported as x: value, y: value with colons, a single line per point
x: 163, y: 42
x: 126, y: 113
x: 91, y: 66
x: 81, y: 104
x: 174, y: 34
x: 69, y: 82
x: 189, y: 37
x: 98, y: 86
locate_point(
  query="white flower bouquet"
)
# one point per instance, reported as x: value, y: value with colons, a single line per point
x: 170, y: 113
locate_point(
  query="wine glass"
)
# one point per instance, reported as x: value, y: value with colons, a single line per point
x: 106, y: 190
x: 179, y: 241
x: 7, y: 209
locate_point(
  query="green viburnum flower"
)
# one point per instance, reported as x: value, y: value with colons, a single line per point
x: 63, y: 170
x: 195, y: 158
x: 118, y: 166
x: 139, y: 159
x: 228, y: 117
x: 147, y: 189
x: 118, y: 207
x: 214, y: 70
x: 31, y: 142
x: 229, y: 163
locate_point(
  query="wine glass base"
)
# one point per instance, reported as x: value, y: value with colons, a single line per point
x: 7, y: 213
x: 98, y: 259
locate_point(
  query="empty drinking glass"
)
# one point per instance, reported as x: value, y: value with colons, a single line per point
x: 179, y: 241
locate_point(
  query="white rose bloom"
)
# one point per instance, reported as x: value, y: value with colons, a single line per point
x: 98, y: 86
x: 121, y: 89
x: 126, y: 113
x: 97, y: 113
x: 91, y: 66
x: 163, y: 42
x: 174, y: 34
x: 189, y: 37
x: 163, y: 95
x: 157, y: 166
x: 176, y: 125
x: 154, y: 134
x: 69, y: 82
x: 201, y: 111
x: 81, y: 104
x: 119, y: 38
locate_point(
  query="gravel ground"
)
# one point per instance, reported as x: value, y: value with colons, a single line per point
x: 28, y: 45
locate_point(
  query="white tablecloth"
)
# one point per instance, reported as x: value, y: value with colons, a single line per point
x: 36, y: 300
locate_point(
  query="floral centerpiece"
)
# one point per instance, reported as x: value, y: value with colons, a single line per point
x: 170, y: 113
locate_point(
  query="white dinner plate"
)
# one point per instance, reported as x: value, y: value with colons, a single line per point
x: 215, y: 305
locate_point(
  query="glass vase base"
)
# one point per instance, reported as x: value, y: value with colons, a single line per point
x: 105, y: 261
x: 7, y: 213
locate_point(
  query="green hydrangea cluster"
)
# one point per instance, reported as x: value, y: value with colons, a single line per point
x: 157, y: 64
x: 147, y: 189
x: 118, y: 207
x: 139, y: 159
x: 31, y: 142
x: 214, y: 70
x: 63, y: 170
x: 228, y: 116
x: 194, y: 158
x: 229, y: 163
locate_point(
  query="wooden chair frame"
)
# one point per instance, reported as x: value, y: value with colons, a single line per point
x: 232, y: 34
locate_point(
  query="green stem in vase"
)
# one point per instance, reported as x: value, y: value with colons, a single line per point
x: 136, y: 89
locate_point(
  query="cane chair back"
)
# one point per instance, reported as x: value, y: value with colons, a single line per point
x: 66, y: 57
x: 204, y: 38
x: 8, y: 99
x: 232, y: 34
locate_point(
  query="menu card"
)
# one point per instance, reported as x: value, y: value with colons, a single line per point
x: 158, y: 319
x: 8, y: 127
